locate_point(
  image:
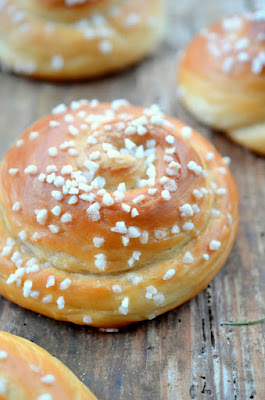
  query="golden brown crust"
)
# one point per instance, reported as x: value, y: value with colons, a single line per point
x: 66, y: 3
x: 28, y: 372
x: 222, y: 77
x: 76, y: 40
x: 126, y: 252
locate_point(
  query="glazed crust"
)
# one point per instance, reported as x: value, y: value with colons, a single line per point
x: 28, y: 372
x: 124, y: 253
x: 222, y: 78
x: 54, y: 40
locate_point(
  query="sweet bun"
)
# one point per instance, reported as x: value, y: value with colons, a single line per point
x: 112, y: 214
x: 75, y: 39
x: 222, y: 78
x: 28, y: 372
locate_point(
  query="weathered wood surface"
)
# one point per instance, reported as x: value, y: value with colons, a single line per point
x: 185, y: 353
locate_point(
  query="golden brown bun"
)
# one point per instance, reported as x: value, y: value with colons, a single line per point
x: 75, y: 39
x: 96, y: 261
x: 222, y: 78
x: 28, y: 372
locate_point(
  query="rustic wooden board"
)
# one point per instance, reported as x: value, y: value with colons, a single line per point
x: 185, y: 353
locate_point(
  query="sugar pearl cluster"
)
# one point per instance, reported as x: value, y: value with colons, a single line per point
x: 142, y: 144
x: 233, y: 47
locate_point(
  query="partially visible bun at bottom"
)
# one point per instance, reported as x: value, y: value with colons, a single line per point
x: 28, y: 372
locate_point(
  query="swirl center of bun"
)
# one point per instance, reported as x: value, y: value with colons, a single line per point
x: 111, y: 171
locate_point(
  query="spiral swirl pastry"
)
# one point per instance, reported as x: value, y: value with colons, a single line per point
x: 222, y: 78
x: 75, y: 39
x: 28, y: 372
x: 112, y: 214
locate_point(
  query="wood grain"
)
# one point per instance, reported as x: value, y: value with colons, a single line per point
x: 186, y: 353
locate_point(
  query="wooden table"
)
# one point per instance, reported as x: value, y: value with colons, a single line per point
x: 186, y: 353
